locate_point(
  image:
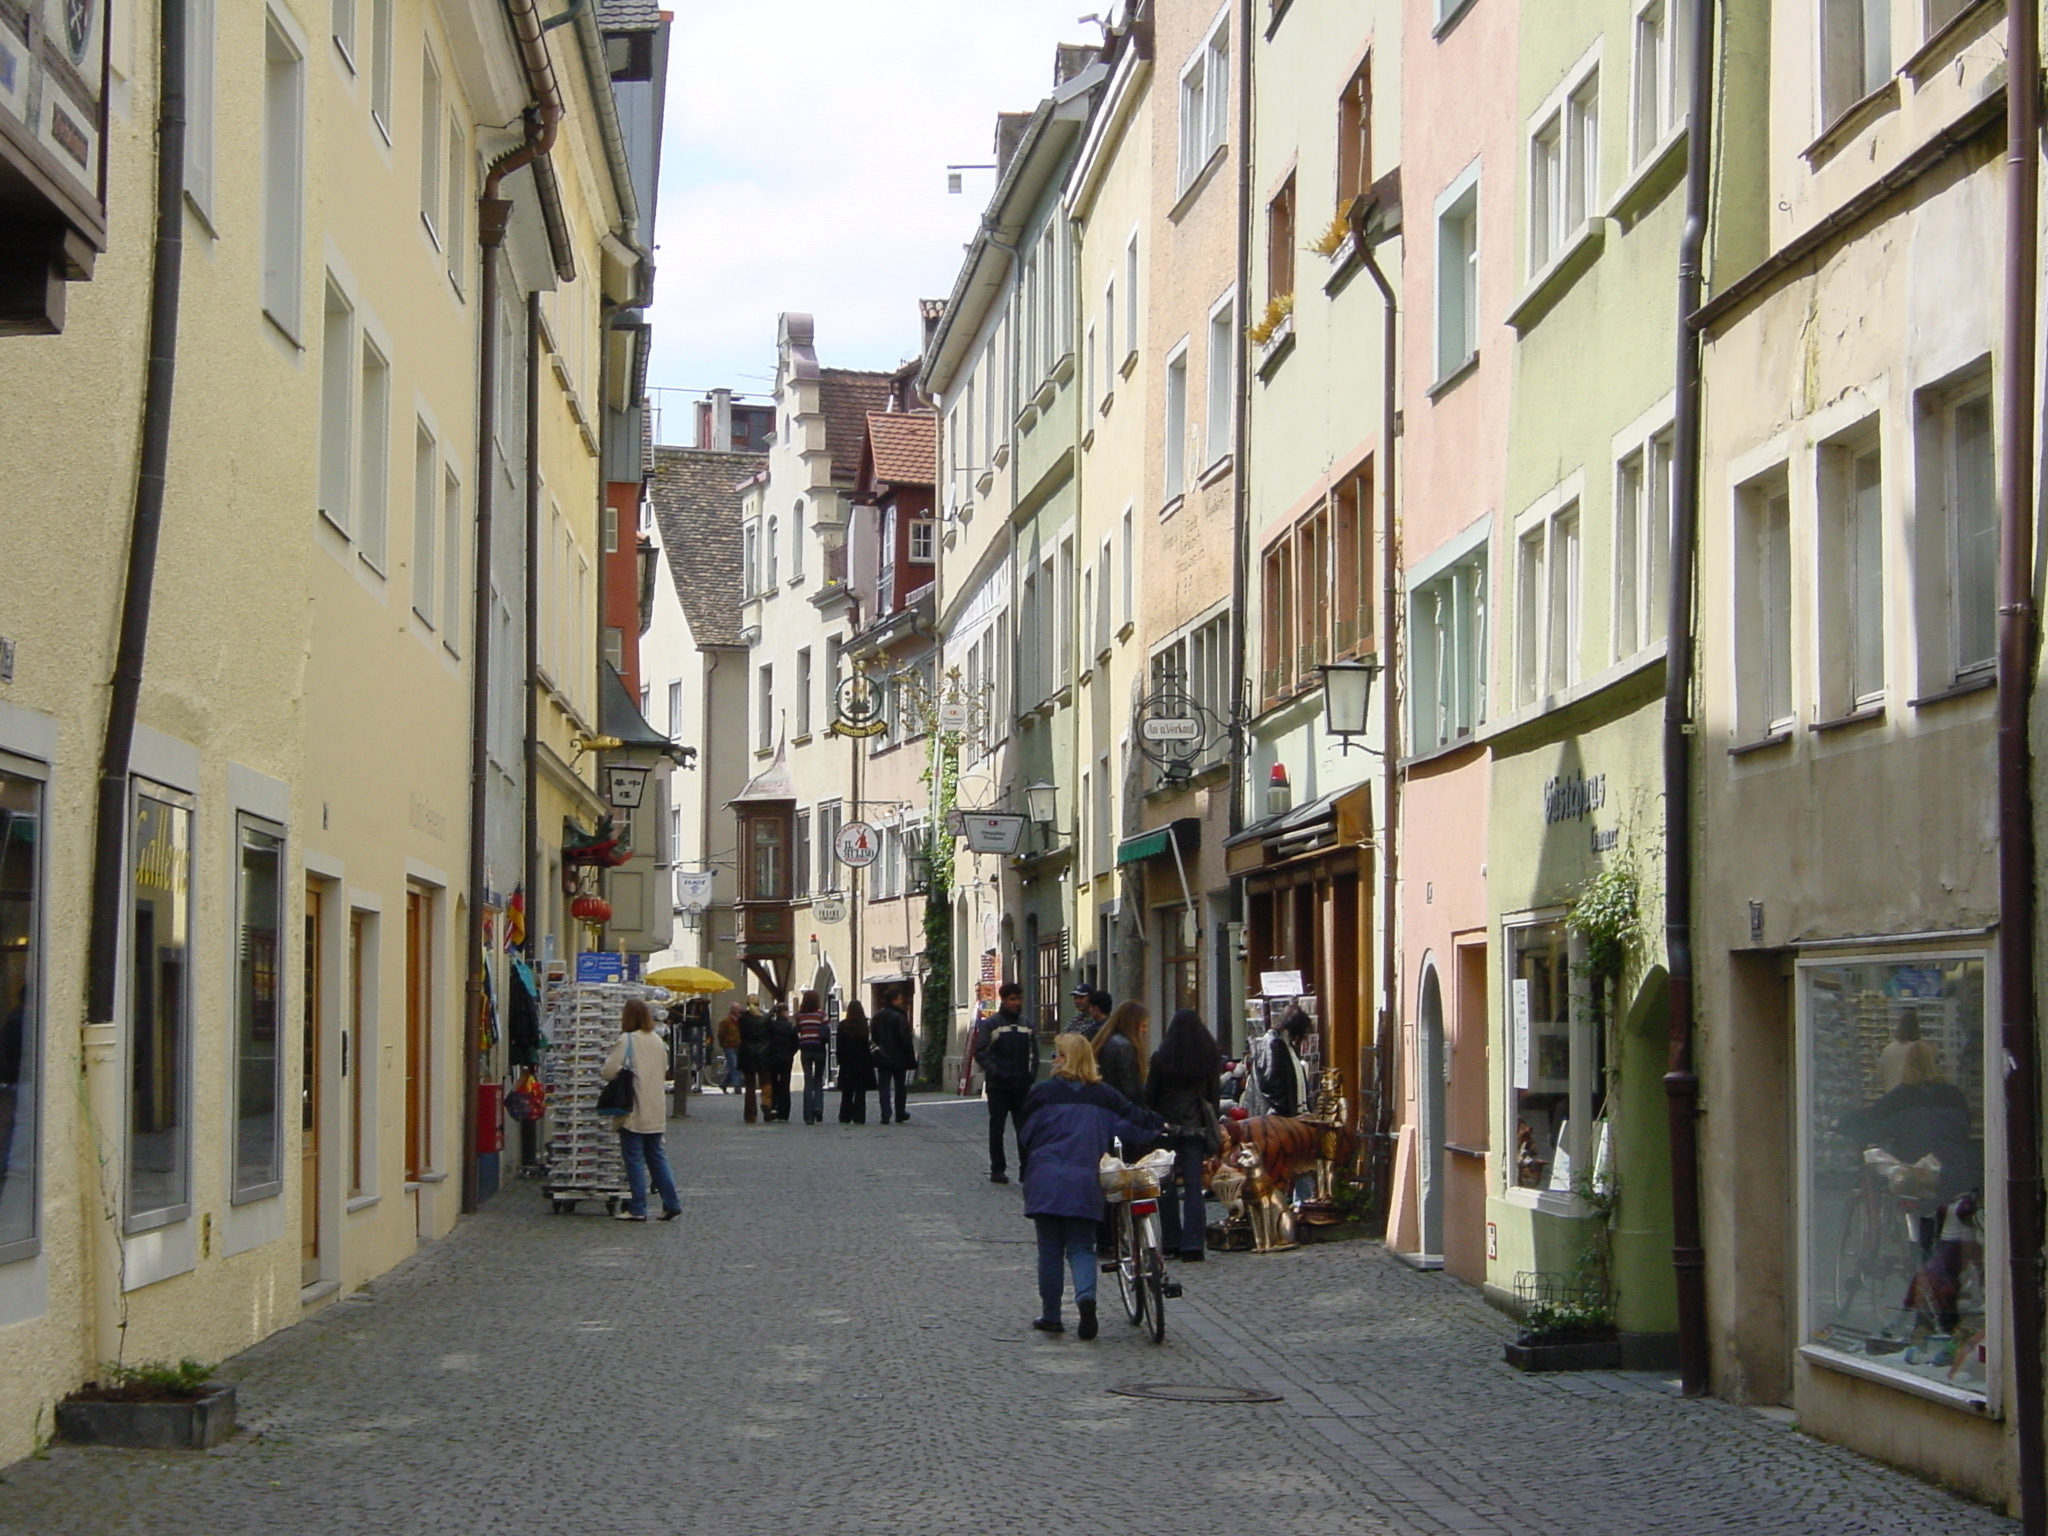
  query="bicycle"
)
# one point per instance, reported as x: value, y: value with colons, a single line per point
x: 1139, y: 1259
x: 1881, y: 1246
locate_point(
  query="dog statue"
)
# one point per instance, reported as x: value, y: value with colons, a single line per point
x: 1266, y: 1198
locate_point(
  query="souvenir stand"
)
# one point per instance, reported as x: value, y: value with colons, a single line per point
x: 581, y: 1019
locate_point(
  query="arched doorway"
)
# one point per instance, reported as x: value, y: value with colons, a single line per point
x: 1432, y: 1066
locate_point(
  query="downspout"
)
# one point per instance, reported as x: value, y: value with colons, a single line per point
x: 1681, y: 1080
x: 110, y: 832
x: 494, y: 217
x: 530, y: 618
x: 2016, y: 660
x: 1390, y: 731
x: 1240, y: 492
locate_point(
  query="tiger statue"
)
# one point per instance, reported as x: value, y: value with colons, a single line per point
x: 1288, y: 1146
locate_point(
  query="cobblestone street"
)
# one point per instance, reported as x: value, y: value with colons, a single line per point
x: 834, y: 1339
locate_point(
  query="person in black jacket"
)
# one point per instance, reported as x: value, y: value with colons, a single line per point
x: 782, y: 1048
x: 1118, y: 1043
x: 856, y: 1065
x: 1006, y: 1050
x: 1069, y: 1121
x: 1185, y: 1086
x: 754, y: 1053
x: 1282, y: 1078
x: 895, y: 1056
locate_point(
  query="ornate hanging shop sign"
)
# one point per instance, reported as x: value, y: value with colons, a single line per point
x: 857, y: 711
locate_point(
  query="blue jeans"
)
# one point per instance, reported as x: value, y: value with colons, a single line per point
x: 814, y: 1085
x: 643, y: 1150
x: 1071, y: 1238
x: 1183, y: 1216
x: 732, y: 1068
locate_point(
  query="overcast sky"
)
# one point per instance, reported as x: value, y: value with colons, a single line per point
x: 804, y: 168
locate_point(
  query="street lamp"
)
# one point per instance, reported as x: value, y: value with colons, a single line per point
x: 1041, y: 803
x: 1347, y: 698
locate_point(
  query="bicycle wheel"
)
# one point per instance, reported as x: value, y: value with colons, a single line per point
x: 1128, y: 1284
x: 1855, y: 1257
x: 1155, y: 1282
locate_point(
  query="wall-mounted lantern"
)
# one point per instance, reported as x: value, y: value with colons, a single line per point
x: 1347, y: 701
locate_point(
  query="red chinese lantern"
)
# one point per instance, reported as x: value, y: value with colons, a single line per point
x: 591, y: 909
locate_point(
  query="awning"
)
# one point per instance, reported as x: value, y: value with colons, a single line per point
x: 1186, y: 832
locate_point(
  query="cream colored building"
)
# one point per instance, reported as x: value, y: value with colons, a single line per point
x: 279, y: 1101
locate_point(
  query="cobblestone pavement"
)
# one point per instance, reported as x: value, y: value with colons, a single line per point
x: 833, y: 1340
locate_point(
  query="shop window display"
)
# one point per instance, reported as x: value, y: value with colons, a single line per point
x: 1894, y: 1087
x: 1556, y: 1091
x: 21, y: 803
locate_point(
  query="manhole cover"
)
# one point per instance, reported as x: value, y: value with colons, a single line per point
x: 1168, y: 1392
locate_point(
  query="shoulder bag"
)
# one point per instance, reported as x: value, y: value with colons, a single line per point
x: 617, y: 1096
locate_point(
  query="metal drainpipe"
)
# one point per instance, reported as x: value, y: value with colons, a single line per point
x: 2016, y: 660
x: 1681, y: 1081
x: 530, y: 617
x: 1240, y: 492
x: 1390, y: 728
x: 494, y: 217
x: 110, y: 832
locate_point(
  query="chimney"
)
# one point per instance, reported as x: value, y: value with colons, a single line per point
x: 1010, y: 128
x: 721, y: 421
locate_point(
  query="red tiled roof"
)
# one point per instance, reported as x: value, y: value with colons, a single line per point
x: 845, y: 396
x: 905, y: 446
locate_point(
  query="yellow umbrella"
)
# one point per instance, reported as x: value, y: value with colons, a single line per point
x: 688, y: 978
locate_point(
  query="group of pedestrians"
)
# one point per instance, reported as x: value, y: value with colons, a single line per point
x: 876, y: 1056
x: 1101, y: 1089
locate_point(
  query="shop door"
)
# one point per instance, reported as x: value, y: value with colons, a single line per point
x: 1466, y: 1119
x: 1430, y: 1091
x: 312, y: 1087
x: 419, y: 1036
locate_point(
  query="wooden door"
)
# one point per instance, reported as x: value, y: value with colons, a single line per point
x: 312, y: 1086
x: 419, y: 1035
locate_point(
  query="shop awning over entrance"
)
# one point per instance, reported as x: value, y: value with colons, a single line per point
x: 1187, y: 832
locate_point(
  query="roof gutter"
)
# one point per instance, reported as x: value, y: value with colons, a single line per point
x: 616, y: 160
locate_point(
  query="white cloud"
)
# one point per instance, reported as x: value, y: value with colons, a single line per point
x: 803, y: 168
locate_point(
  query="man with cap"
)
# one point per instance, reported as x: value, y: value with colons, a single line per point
x: 1006, y: 1050
x: 1091, y: 1008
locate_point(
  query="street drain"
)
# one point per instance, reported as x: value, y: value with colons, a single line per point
x: 1167, y: 1392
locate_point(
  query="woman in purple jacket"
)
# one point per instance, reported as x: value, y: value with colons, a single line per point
x: 1068, y: 1123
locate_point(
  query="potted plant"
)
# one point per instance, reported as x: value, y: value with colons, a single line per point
x: 153, y: 1406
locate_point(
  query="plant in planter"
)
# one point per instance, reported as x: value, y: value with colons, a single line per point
x: 1335, y: 238
x: 155, y: 1405
x: 1279, y: 309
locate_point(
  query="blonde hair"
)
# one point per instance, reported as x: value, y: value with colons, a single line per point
x: 1074, y: 1059
x: 1921, y: 1065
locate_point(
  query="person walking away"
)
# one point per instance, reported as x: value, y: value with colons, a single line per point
x: 1283, y: 1081
x: 895, y: 1056
x: 729, y: 1044
x: 1007, y: 1052
x: 754, y: 1059
x: 1184, y: 1088
x: 782, y: 1048
x: 1119, y: 1045
x: 813, y: 1039
x: 856, y: 1065
x: 1069, y: 1121
x: 641, y: 1130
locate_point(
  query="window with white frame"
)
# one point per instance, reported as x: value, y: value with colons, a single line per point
x: 1959, y: 542
x: 1131, y: 312
x: 1547, y: 605
x: 1557, y: 1062
x: 1100, y: 811
x: 1204, y: 103
x: 1197, y: 664
x: 830, y: 814
x: 158, y: 1073
x: 430, y: 146
x: 796, y: 540
x: 381, y: 66
x: 1852, y: 572
x: 426, y: 484
x: 373, y: 454
x: 1447, y: 653
x: 453, y: 526
x: 199, y: 103
x: 1855, y: 53
x: 455, y: 185
x: 1564, y: 162
x: 803, y: 692
x: 1103, y: 624
x: 750, y: 560
x: 284, y: 132
x: 337, y: 409
x: 764, y: 708
x: 1457, y: 276
x: 1111, y: 357
x: 1663, y: 54
x: 1763, y: 606
x: 923, y: 541
x: 1222, y: 381
x: 1130, y: 565
x: 1175, y: 446
x: 770, y: 553
x: 1896, y: 1205
x: 260, y: 1032
x: 1642, y: 538
x: 1063, y: 611
x: 800, y: 856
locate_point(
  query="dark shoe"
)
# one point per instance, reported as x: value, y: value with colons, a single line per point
x: 1087, y: 1328
x: 670, y: 1215
x: 1192, y: 1255
x: 1049, y: 1325
x: 1107, y: 1266
x: 999, y: 1178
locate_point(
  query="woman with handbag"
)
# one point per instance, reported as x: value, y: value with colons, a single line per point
x: 640, y: 1055
x: 856, y: 1065
x: 1184, y: 1086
